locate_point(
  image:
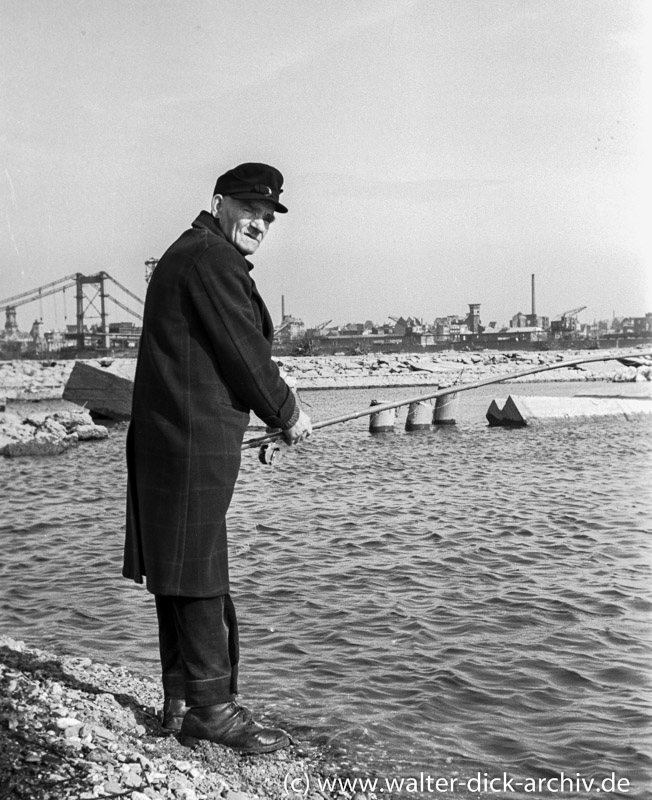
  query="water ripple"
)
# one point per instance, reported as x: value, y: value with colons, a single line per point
x: 467, y: 599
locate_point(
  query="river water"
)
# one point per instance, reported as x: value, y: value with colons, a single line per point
x: 462, y: 603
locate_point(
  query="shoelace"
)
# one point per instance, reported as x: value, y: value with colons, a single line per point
x: 243, y: 711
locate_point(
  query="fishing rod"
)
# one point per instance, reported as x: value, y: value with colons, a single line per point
x: 453, y: 389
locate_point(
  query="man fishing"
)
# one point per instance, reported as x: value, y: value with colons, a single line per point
x: 204, y: 362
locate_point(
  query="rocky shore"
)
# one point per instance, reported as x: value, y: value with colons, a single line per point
x: 45, y: 380
x: 26, y: 387
x: 74, y: 728
x: 27, y: 432
x: 445, y: 369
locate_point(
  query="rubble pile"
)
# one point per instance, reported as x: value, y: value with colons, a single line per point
x: 46, y: 433
x: 444, y: 369
x: 73, y: 728
x: 33, y: 380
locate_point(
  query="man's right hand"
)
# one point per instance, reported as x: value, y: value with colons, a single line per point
x: 301, y: 429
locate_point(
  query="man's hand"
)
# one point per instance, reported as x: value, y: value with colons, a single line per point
x: 301, y: 429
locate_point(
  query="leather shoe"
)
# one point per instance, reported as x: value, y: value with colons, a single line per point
x: 174, y: 710
x: 231, y: 725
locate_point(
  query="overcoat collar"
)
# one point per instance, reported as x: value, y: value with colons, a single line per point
x: 207, y: 220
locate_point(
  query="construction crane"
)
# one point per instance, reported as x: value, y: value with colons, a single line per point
x: 566, y: 324
x: 569, y: 318
x: 573, y: 312
x: 321, y: 326
x: 285, y: 324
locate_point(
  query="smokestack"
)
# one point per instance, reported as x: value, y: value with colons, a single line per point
x: 534, y: 307
x: 282, y: 308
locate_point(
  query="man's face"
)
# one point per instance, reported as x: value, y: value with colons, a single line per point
x: 244, y: 222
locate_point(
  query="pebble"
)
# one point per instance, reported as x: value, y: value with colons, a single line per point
x: 132, y: 780
x: 98, y: 756
x: 103, y: 733
x: 186, y: 793
x: 67, y: 722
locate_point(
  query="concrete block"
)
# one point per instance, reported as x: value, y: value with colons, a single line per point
x: 523, y: 410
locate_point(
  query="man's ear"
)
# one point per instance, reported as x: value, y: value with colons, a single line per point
x: 216, y: 205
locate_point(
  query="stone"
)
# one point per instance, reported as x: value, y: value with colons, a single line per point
x: 87, y: 433
x: 43, y: 434
x: 155, y: 778
x: 186, y: 793
x: 38, y: 435
x: 98, y: 756
x: 132, y: 780
x: 72, y: 419
x: 54, y: 778
x: 67, y: 722
x: 102, y: 733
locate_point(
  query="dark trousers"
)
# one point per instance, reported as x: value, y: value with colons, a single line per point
x: 198, y: 643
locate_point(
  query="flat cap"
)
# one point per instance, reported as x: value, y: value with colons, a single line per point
x: 252, y: 181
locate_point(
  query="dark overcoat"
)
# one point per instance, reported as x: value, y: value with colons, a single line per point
x: 204, y: 362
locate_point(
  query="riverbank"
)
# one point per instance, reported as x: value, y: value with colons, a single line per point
x: 74, y: 728
x: 45, y: 380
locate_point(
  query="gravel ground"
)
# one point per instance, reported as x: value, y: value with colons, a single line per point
x: 73, y: 728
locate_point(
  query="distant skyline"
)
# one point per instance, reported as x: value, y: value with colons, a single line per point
x: 435, y: 154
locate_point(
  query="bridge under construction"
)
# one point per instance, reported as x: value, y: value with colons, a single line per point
x: 90, y: 297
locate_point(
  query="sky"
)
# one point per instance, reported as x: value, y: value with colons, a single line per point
x: 436, y: 153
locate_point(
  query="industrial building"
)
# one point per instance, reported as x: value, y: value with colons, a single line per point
x: 92, y: 332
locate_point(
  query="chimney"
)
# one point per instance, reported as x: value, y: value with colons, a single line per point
x: 534, y: 308
x: 282, y: 308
